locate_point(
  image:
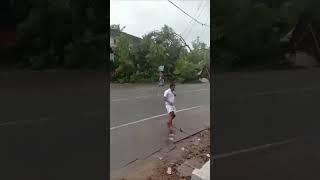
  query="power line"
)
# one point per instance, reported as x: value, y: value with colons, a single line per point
x: 188, y: 14
x: 207, y: 20
x: 199, y: 15
x: 190, y: 31
x: 207, y: 15
x: 200, y: 4
x: 188, y: 28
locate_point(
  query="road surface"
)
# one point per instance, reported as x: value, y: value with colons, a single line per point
x: 49, y: 125
x: 266, y: 125
x: 138, y: 119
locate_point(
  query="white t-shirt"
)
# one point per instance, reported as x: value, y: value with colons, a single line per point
x: 170, y: 96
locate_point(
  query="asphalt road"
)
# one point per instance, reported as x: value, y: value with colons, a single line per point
x: 266, y: 125
x: 51, y: 125
x: 138, y: 119
x: 132, y: 104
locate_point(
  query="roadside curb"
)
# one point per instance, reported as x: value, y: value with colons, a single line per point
x: 189, y: 135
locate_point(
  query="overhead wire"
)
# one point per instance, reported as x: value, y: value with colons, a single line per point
x: 191, y: 27
x: 188, y: 27
x: 200, y: 13
x: 187, y: 14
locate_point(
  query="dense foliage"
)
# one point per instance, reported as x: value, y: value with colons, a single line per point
x: 59, y: 33
x: 248, y: 32
x: 139, y: 62
x: 72, y: 34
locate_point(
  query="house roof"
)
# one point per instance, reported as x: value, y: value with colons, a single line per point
x: 115, y: 33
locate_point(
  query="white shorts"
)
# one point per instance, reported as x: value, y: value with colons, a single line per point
x: 170, y: 109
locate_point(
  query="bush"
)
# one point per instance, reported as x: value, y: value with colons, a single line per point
x: 82, y: 54
x: 141, y: 77
x: 186, y: 71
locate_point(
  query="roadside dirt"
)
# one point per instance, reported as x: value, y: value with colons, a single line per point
x: 188, y: 154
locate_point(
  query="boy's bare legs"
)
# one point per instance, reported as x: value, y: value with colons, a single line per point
x: 170, y: 122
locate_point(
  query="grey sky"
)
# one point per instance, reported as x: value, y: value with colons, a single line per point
x: 143, y: 16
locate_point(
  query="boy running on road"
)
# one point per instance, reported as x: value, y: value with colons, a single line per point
x: 169, y: 98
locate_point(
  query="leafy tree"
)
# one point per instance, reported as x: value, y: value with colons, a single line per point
x: 248, y: 32
x: 48, y: 30
x: 191, y: 63
x: 141, y: 61
x: 186, y: 70
x: 125, y: 64
x: 164, y: 49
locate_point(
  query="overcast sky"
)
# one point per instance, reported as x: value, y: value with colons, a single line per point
x: 143, y: 16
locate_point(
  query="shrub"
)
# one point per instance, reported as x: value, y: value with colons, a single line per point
x: 81, y: 54
x: 186, y: 71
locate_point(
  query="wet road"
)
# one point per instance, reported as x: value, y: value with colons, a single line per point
x: 131, y: 104
x: 267, y: 125
x: 52, y: 126
x: 138, y: 118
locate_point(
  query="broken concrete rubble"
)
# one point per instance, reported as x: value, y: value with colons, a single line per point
x: 202, y: 173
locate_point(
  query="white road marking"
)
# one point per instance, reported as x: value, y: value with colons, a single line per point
x: 280, y: 92
x: 21, y: 122
x: 120, y: 99
x: 153, y: 117
x: 256, y: 148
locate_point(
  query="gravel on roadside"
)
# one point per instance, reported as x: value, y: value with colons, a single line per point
x: 188, y: 154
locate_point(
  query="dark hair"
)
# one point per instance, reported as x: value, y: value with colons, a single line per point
x: 172, y: 84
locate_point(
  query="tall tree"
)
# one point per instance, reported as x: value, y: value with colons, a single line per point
x: 125, y: 64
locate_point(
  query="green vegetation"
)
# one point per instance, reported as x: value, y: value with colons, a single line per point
x: 59, y: 34
x: 140, y: 62
x: 71, y: 34
x: 191, y: 63
x: 248, y: 32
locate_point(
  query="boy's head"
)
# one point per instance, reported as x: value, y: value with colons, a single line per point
x: 172, y: 86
